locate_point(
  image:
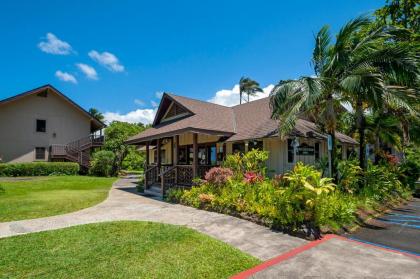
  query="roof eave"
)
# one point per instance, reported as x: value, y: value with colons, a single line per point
x: 137, y: 141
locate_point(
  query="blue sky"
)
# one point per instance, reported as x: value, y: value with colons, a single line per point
x: 118, y: 55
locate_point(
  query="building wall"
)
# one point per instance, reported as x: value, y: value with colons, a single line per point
x: 18, y: 136
x: 278, y: 160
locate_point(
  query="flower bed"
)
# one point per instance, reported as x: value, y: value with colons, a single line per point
x: 300, y: 200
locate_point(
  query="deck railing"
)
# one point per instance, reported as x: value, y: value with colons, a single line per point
x: 76, y: 151
x: 168, y: 176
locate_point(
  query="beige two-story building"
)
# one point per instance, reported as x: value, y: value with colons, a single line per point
x: 44, y: 125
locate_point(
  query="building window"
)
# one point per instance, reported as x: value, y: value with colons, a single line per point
x: 238, y: 147
x: 316, y: 150
x: 39, y: 153
x: 290, y: 151
x: 41, y: 125
x: 255, y: 144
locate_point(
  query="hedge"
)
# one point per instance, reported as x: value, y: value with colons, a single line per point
x: 39, y: 168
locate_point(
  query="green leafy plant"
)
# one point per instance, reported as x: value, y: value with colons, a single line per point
x: 252, y: 161
x: 102, y: 163
x: 39, y: 169
x: 349, y: 175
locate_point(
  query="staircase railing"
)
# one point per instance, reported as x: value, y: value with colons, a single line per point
x: 77, y: 151
x: 151, y: 176
x: 168, y: 178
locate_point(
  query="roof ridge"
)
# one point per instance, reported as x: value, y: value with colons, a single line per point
x: 58, y: 92
x: 197, y: 100
x: 260, y: 99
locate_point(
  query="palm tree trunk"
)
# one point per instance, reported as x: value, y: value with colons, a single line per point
x: 333, y: 157
x: 406, y: 133
x: 240, y: 96
x: 377, y: 150
x: 331, y: 131
x: 361, y: 126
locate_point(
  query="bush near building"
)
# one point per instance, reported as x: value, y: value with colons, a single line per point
x: 300, y: 200
x: 39, y: 169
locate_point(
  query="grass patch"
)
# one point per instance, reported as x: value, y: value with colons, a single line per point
x: 120, y: 250
x: 52, y: 195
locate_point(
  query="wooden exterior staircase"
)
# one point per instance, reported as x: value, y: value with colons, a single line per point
x: 76, y: 151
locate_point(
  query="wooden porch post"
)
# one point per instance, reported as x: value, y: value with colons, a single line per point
x: 147, y: 155
x: 175, y: 157
x: 147, y: 165
x: 176, y: 147
x: 158, y: 154
x: 158, y: 163
x: 195, y: 155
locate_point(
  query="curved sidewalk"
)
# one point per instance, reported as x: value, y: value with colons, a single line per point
x: 123, y: 203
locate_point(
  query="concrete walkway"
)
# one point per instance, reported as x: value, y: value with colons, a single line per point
x: 336, y: 257
x: 123, y: 203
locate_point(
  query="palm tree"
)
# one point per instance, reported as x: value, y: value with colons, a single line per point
x: 249, y: 87
x: 380, y: 76
x: 350, y: 70
x: 383, y: 128
x: 96, y: 114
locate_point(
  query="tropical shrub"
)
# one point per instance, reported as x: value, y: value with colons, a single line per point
x: 251, y: 177
x: 335, y: 210
x: 39, y: 169
x: 133, y: 161
x: 382, y: 183
x: 102, y: 162
x: 290, y: 201
x: 349, y: 176
x: 410, y: 167
x: 301, y: 198
x: 252, y: 161
x: 218, y: 176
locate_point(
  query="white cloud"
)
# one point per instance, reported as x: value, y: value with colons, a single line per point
x: 230, y: 97
x: 54, y: 45
x: 144, y: 116
x: 159, y: 94
x: 154, y: 104
x: 139, y: 102
x: 64, y: 76
x: 107, y: 59
x: 89, y: 71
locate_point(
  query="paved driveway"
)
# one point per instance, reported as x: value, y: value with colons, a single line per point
x: 398, y: 229
x: 123, y: 203
x: 337, y: 257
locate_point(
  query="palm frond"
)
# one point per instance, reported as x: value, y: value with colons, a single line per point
x: 290, y: 98
x: 320, y: 54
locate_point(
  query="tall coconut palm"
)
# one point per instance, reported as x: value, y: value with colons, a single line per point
x: 381, y: 75
x: 248, y: 87
x: 347, y: 70
x: 97, y: 114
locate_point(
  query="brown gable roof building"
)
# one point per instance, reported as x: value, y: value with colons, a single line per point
x: 188, y: 137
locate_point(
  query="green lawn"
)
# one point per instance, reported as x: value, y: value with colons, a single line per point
x: 120, y: 250
x: 50, y: 195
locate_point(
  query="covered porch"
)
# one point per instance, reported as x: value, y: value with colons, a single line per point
x: 175, y: 160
